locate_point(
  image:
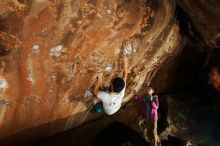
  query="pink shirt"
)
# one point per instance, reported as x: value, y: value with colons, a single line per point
x: 150, y: 107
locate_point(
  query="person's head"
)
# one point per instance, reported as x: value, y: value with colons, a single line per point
x: 118, y: 84
x: 150, y: 90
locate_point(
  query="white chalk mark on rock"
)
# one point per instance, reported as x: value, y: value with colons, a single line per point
x: 30, y: 68
x: 127, y: 49
x: 36, y: 49
x: 88, y: 94
x: 52, y: 78
x: 56, y: 51
x: 3, y: 84
x: 109, y: 67
x: 136, y: 43
x: 74, y: 70
x: 150, y: 39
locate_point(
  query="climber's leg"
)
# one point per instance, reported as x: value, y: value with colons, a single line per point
x: 98, y: 107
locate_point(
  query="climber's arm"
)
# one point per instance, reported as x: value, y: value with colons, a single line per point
x: 96, y: 89
x: 125, y: 71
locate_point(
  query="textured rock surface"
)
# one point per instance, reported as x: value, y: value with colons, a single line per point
x: 215, y: 78
x: 181, y: 73
x: 205, y: 18
x: 214, y: 65
x: 190, y: 118
x: 51, y: 52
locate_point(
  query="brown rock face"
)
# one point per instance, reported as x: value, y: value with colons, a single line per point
x: 214, y: 78
x: 51, y: 52
x: 206, y: 19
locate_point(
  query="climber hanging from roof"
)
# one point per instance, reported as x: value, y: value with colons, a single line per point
x: 110, y: 101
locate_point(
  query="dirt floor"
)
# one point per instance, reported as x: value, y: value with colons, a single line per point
x: 83, y: 135
x: 119, y: 129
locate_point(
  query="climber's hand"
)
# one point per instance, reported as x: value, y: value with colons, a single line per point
x: 125, y: 70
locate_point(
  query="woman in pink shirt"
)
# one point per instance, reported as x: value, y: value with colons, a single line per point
x: 151, y: 104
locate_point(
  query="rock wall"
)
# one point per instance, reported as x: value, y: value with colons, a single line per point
x: 205, y: 19
x: 214, y: 68
x: 190, y: 118
x: 181, y: 74
x: 52, y: 50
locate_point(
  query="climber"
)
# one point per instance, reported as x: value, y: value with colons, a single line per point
x: 110, y: 101
x: 151, y: 104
